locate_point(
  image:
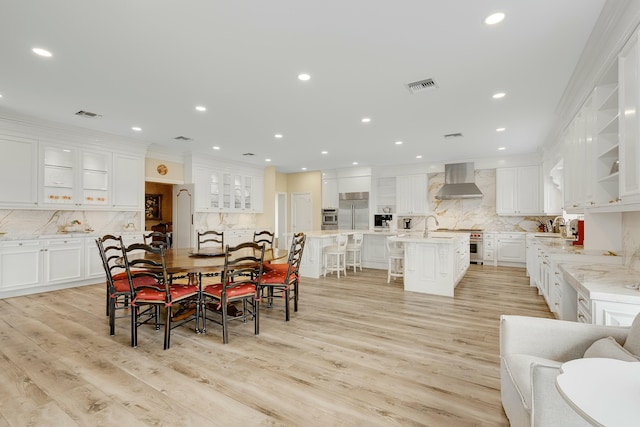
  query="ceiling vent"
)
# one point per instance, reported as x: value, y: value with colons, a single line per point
x: 422, y: 86
x: 248, y: 154
x: 88, y: 114
x: 183, y: 138
x: 453, y: 135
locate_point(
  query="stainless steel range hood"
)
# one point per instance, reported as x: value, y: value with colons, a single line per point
x: 459, y: 182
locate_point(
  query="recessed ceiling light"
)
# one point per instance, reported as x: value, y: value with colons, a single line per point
x: 201, y: 108
x: 324, y: 152
x: 499, y: 95
x: 215, y: 147
x: 304, y: 77
x: 418, y: 156
x: 354, y: 163
x: 398, y: 142
x: 304, y: 169
x: 267, y: 160
x: 136, y: 128
x: 278, y: 135
x: 500, y: 129
x: 0, y: 95
x: 366, y: 120
x: 502, y: 148
x: 41, y: 52
x: 494, y: 18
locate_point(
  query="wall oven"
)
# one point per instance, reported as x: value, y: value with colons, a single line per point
x: 329, y: 219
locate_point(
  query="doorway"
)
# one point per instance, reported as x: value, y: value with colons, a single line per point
x: 161, y: 195
x: 301, y: 216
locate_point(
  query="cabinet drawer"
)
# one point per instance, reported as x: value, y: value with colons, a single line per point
x: 584, y: 308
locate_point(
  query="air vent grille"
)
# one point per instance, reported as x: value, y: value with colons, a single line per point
x: 422, y: 86
x: 183, y: 138
x: 453, y: 135
x: 248, y: 154
x: 88, y: 114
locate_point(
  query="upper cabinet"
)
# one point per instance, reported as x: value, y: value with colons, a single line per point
x: 69, y: 176
x: 329, y: 193
x: 74, y: 178
x: 629, y: 94
x: 218, y: 189
x: 18, y: 172
x: 518, y: 191
x: 411, y: 194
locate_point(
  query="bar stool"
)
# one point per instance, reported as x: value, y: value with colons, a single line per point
x: 396, y: 259
x: 335, y: 256
x: 354, y: 252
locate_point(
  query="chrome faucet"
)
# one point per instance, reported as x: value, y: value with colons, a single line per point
x: 426, y: 225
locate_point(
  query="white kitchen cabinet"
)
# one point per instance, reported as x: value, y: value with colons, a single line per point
x: 20, y: 265
x: 374, y: 251
x: 354, y: 184
x: 518, y: 191
x: 489, y: 249
x: 220, y: 191
x: 330, y: 193
x: 511, y: 248
x: 128, y: 181
x: 411, y: 194
x: 610, y: 313
x: 63, y: 260
x: 629, y: 126
x: 93, y: 268
x: 73, y: 178
x: 18, y: 172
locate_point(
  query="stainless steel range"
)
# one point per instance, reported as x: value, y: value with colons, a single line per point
x: 475, y: 242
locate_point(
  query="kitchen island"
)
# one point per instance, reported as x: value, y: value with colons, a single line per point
x: 311, y: 264
x: 435, y: 264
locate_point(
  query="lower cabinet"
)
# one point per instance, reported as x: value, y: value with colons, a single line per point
x: 374, y: 251
x: 511, y: 248
x: 40, y: 265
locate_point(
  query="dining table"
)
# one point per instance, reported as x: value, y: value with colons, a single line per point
x: 194, y: 263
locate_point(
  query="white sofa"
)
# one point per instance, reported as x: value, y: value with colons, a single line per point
x: 531, y: 353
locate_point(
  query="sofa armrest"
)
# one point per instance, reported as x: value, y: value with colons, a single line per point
x: 553, y: 339
x: 548, y: 407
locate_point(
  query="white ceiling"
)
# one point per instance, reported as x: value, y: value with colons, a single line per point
x: 148, y: 63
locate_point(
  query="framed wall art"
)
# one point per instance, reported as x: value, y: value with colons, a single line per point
x: 152, y: 206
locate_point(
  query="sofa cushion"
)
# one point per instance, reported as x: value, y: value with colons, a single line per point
x: 632, y: 344
x: 610, y: 349
x: 519, y: 368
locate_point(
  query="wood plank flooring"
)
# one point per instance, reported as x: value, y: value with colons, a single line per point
x: 359, y: 352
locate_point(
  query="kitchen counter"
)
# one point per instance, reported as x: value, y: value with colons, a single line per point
x: 603, y: 282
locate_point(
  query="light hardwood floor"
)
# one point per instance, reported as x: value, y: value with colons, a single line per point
x: 358, y: 352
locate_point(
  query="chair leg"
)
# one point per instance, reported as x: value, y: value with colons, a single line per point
x: 134, y: 326
x: 167, y: 329
x: 256, y: 316
x: 108, y: 298
x: 225, y: 335
x: 112, y: 316
x: 295, y: 297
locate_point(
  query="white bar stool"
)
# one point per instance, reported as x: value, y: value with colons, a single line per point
x: 396, y: 259
x: 335, y: 256
x: 354, y: 252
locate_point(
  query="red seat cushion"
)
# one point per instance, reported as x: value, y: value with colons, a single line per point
x: 121, y: 282
x: 148, y: 294
x: 270, y: 268
x: 275, y: 278
x: 180, y: 291
x: 237, y: 291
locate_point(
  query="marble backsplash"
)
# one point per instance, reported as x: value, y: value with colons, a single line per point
x: 473, y: 213
x: 631, y: 239
x: 18, y: 223
x: 223, y: 221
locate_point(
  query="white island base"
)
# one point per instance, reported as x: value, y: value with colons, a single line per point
x: 435, y: 264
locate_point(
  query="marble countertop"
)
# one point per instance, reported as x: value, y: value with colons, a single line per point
x: 439, y: 237
x: 603, y: 282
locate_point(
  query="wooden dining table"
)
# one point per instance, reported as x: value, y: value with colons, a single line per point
x: 194, y: 261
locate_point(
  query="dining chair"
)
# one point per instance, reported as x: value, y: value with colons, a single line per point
x: 264, y: 238
x: 243, y: 266
x: 285, y: 278
x: 157, y: 238
x: 148, y: 301
x: 211, y: 238
x: 118, y: 288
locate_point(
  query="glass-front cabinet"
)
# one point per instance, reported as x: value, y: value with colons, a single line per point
x: 73, y: 177
x: 219, y: 190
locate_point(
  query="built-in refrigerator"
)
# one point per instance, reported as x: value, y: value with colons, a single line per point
x: 353, y: 211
